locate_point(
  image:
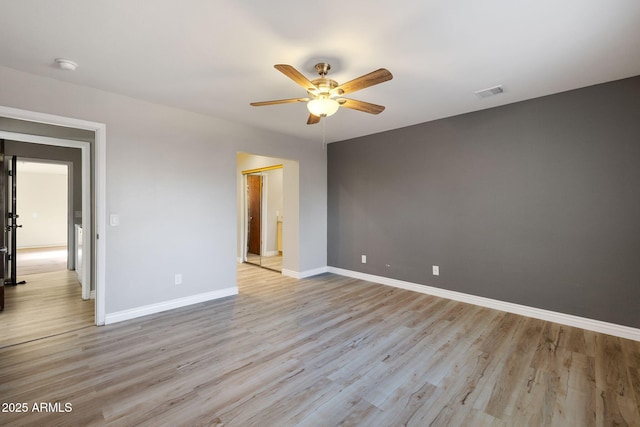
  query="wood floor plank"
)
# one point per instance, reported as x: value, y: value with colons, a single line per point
x: 515, y: 375
x: 326, y: 350
x: 579, y: 404
x: 498, y: 345
x: 613, y: 384
x: 547, y: 379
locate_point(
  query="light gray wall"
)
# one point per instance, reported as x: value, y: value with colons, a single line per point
x: 42, y: 209
x: 171, y: 176
x: 535, y: 203
x: 273, y: 207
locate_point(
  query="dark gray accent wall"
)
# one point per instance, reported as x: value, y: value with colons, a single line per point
x: 535, y: 203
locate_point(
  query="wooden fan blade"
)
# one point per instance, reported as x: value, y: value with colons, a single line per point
x: 367, y: 107
x: 313, y: 119
x: 373, y: 78
x: 279, y: 101
x: 296, y: 76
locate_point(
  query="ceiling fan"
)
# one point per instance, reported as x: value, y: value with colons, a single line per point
x: 325, y: 95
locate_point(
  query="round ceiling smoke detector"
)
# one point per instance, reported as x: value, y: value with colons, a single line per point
x: 65, y: 64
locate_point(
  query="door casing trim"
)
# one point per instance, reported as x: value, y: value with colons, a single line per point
x: 93, y: 238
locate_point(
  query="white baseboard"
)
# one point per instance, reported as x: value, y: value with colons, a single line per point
x: 92, y: 294
x: 132, y: 313
x: 304, y: 274
x: 537, y: 313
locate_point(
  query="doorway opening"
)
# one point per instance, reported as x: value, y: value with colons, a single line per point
x: 263, y: 217
x: 37, y: 217
x: 288, y: 216
x: 44, y: 241
x: 46, y: 132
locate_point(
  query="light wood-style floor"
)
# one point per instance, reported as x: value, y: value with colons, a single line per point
x: 273, y: 262
x: 48, y: 304
x: 325, y: 351
x: 41, y: 260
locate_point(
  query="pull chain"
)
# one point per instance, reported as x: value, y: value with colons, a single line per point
x: 324, y: 135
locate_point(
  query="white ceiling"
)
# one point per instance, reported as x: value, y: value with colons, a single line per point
x: 216, y: 56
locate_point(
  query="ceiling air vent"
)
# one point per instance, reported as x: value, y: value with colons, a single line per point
x: 484, y: 93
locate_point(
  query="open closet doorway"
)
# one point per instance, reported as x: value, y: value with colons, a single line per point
x: 263, y: 217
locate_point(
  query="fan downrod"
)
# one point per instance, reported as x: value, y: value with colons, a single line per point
x: 322, y: 68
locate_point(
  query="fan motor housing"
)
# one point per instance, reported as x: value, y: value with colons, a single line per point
x: 324, y: 85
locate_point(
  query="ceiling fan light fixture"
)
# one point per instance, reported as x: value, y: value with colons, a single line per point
x: 323, y: 106
x: 322, y: 92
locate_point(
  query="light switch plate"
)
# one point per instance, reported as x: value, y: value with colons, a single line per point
x: 114, y: 219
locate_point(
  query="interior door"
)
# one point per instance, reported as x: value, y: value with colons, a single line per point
x: 11, y: 226
x: 12, y: 216
x: 3, y: 223
x: 254, y: 189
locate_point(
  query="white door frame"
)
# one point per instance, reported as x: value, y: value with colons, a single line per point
x: 96, y: 240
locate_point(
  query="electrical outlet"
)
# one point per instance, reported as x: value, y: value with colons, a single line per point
x: 364, y: 259
x: 436, y: 270
x: 178, y: 279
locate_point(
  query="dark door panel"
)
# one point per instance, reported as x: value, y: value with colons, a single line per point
x: 255, y: 211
